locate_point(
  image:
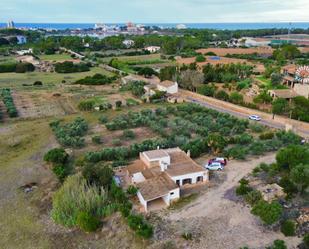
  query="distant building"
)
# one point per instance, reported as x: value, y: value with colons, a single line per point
x: 255, y: 42
x: 128, y: 43
x: 152, y: 49
x: 21, y: 39
x: 10, y: 25
x: 181, y: 26
x: 24, y: 52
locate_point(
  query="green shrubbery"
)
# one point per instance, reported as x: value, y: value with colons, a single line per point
x: 70, y: 67
x: 86, y: 105
x: 59, y: 160
x: 87, y: 222
x: 8, y: 101
x: 137, y: 223
x: 70, y: 134
x: 268, y: 212
x: 20, y: 67
x: 97, y: 79
x: 288, y: 228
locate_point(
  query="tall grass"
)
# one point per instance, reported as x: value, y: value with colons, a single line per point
x: 77, y: 196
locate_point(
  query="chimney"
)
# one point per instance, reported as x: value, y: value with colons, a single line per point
x: 188, y: 153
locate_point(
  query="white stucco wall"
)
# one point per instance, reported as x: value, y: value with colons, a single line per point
x: 142, y: 201
x: 192, y: 176
x: 171, y: 89
x: 176, y: 194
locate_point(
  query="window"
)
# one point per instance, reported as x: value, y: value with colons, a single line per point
x: 171, y: 193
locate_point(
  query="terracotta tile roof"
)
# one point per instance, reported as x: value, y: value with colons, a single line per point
x: 181, y: 164
x: 167, y: 83
x: 284, y: 93
x: 156, y: 187
x: 136, y: 166
x: 289, y: 78
x: 153, y: 154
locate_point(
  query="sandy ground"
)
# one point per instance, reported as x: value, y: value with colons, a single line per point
x: 224, y: 222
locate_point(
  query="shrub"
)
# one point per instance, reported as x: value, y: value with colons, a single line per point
x: 268, y: 212
x: 288, y: 186
x: 96, y: 139
x: 97, y: 79
x: 200, y: 58
x: 103, y: 119
x: 24, y: 67
x: 236, y: 98
x: 87, y: 222
x: 267, y: 135
x: 8, y: 101
x: 61, y: 171
x: 278, y: 244
x: 187, y: 236
x: 99, y: 175
x: 253, y: 197
x: 132, y: 190
x: 289, y: 157
x: 222, y: 95
x: 243, y: 189
x: 118, y: 103
x: 128, y: 134
x: 38, y: 83
x: 257, y: 128
x: 86, y: 105
x: 70, y: 67
x: 76, y: 196
x: 207, y: 90
x: 116, y: 142
x: 306, y: 240
x: 56, y: 155
x: 288, y: 228
x: 137, y: 223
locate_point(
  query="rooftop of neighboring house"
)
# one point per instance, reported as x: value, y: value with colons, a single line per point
x: 156, y: 186
x: 290, y: 68
x: 167, y: 83
x: 284, y: 93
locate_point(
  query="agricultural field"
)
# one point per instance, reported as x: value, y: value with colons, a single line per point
x: 55, y: 57
x: 225, y: 51
x: 48, y: 79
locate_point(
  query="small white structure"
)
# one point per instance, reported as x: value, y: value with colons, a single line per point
x: 168, y: 86
x: 128, y: 43
x: 159, y: 175
x: 24, y: 52
x: 152, y: 49
x: 255, y: 42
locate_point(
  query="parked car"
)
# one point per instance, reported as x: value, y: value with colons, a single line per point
x: 214, y: 166
x: 255, y: 117
x: 221, y: 160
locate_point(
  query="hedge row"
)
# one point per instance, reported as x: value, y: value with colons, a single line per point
x: 7, y: 98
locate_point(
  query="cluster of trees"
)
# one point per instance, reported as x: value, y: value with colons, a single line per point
x: 16, y: 67
x: 70, y: 134
x: 6, y: 96
x: 297, y: 109
x: 136, y: 87
x: 286, y: 52
x: 97, y: 79
x: 70, y: 67
x: 59, y: 160
x: 226, y: 73
x: 193, y: 128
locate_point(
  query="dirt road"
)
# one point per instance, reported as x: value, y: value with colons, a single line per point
x: 224, y: 222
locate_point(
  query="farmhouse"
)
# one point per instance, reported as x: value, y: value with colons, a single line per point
x: 168, y: 86
x: 160, y: 174
x: 152, y: 49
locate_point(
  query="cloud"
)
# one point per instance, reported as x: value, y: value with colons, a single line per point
x: 154, y: 11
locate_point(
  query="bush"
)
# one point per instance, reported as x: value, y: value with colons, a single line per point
x: 268, y: 212
x: 56, y: 155
x: 200, y: 58
x: 137, y: 223
x: 288, y: 228
x: 97, y: 79
x: 243, y: 189
x: 70, y: 67
x: 8, y: 101
x: 99, y: 175
x: 118, y: 103
x: 86, y: 105
x: 38, y: 83
x: 132, y: 190
x: 187, y: 236
x: 96, y: 139
x: 306, y: 240
x: 222, y: 95
x: 24, y: 67
x: 76, y: 196
x: 278, y: 244
x: 87, y: 222
x: 128, y: 134
x: 253, y: 197
x: 103, y: 119
x: 267, y: 135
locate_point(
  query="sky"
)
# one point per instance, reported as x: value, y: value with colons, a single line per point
x: 154, y: 11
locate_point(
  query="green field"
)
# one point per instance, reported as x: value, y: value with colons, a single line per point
x: 16, y: 80
x: 55, y: 57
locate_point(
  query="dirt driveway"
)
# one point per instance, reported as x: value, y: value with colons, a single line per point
x: 223, y: 222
